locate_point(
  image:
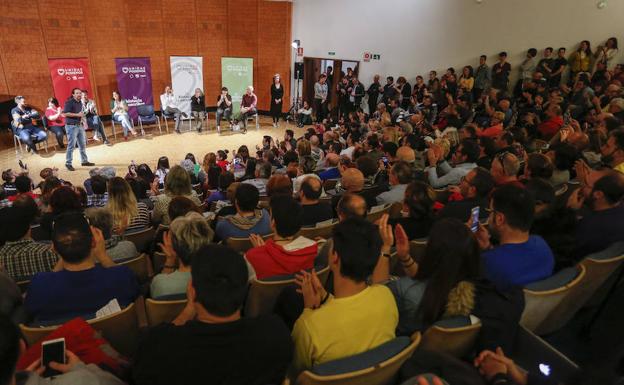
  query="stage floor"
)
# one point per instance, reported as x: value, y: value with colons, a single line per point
x: 145, y: 149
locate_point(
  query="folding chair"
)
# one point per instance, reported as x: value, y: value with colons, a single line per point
x: 321, y: 230
x: 454, y: 336
x: 161, y: 311
x: 376, y: 212
x: 242, y: 244
x: 139, y: 267
x: 148, y: 116
x: 141, y: 239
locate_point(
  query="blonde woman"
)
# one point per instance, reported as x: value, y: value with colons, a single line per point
x: 177, y: 183
x: 128, y: 214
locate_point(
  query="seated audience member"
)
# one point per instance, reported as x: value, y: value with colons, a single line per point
x: 177, y: 183
x: 520, y: 258
x: 504, y: 170
x: 116, y: 247
x: 225, y: 180
x: 444, y: 283
x: 564, y: 157
x: 549, y: 127
x: 21, y: 257
x: 225, y: 208
x: 353, y: 182
x: 331, y: 167
x: 358, y: 317
x: 418, y: 203
x: 464, y: 159
x: 314, y: 211
x: 99, y: 198
x: 23, y: 186
x: 284, y: 254
x: 475, y: 188
x: 63, y: 199
x: 248, y: 218
x: 538, y: 166
x: 400, y: 176
x: 351, y: 206
x: 612, y: 151
x: 185, y: 236
x: 81, y: 287
x: 605, y: 223
x: 307, y: 165
x: 279, y: 185
x: 73, y: 371
x: 8, y: 176
x: 128, y: 214
x: 263, y: 173
x: 210, y: 329
x: 496, y: 126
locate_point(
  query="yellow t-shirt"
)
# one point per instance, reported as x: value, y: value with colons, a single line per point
x: 343, y: 327
x: 619, y: 167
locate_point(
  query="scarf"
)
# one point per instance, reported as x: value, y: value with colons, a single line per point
x: 245, y: 223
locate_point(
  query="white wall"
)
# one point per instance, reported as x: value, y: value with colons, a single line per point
x: 415, y: 36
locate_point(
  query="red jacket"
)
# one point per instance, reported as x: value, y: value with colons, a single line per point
x: 549, y: 128
x: 273, y: 260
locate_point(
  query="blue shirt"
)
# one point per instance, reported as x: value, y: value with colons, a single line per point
x: 67, y: 294
x: 74, y: 106
x: 518, y: 264
x: 332, y: 173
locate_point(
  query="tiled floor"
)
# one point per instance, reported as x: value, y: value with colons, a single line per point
x: 142, y: 149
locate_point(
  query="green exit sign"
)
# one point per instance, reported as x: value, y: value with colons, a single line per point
x: 331, y: 53
x: 376, y: 56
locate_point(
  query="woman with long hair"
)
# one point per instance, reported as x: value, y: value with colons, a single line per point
x: 250, y: 170
x: 162, y: 168
x: 580, y: 60
x: 177, y: 183
x: 418, y: 210
x: 466, y: 79
x: 605, y: 54
x: 209, y: 170
x: 128, y: 214
x: 277, y: 98
x: 119, y: 112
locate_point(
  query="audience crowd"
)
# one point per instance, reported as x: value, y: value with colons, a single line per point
x: 541, y: 162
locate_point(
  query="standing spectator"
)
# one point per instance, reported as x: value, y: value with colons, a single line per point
x: 320, y: 98
x: 558, y: 67
x: 500, y: 73
x: 483, y: 78
x: 545, y: 65
x: 75, y: 130
x: 277, y: 99
x: 373, y: 95
x: 580, y: 60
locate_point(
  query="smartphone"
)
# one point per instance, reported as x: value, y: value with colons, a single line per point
x: 53, y: 350
x: 236, y: 161
x: 385, y: 161
x: 474, y: 222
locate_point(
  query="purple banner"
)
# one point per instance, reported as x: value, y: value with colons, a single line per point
x: 134, y: 79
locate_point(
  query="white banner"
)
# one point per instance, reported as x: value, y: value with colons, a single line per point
x: 186, y: 76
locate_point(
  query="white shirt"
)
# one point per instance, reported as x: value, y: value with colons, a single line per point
x: 168, y: 100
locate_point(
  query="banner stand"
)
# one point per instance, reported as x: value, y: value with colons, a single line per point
x: 134, y: 83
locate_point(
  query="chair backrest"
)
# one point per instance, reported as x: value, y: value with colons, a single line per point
x: 395, y: 210
x: 372, y: 367
x: 263, y: 294
x: 323, y: 231
x: 242, y: 244
x: 376, y: 212
x: 454, y: 336
x: 540, y: 298
x: 139, y: 267
x: 330, y: 184
x: 142, y: 238
x: 120, y: 330
x: 23, y: 285
x: 158, y: 311
x: 145, y: 110
x: 598, y: 267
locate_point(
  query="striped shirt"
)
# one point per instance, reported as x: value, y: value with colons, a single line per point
x: 24, y: 258
x: 142, y: 219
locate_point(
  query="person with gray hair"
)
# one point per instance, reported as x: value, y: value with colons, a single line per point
x: 263, y: 173
x: 116, y: 248
x: 185, y: 236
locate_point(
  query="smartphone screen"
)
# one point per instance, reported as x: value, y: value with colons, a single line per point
x: 474, y: 215
x: 385, y: 160
x: 53, y: 350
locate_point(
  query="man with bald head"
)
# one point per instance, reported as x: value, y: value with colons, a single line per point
x: 351, y: 206
x: 353, y: 182
x: 314, y: 211
x: 331, y: 172
x: 316, y: 152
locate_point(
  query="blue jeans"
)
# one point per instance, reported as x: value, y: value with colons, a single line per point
x: 93, y: 121
x: 223, y: 113
x: 25, y: 134
x: 76, y: 135
x: 124, y: 119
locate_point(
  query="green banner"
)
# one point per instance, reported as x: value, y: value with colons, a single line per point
x: 236, y: 75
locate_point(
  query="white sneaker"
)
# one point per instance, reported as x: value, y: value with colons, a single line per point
x: 218, y: 129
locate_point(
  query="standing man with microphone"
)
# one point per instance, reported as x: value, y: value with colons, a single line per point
x: 75, y: 130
